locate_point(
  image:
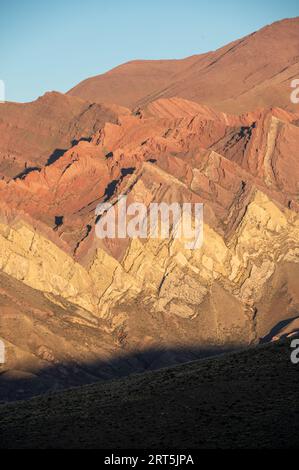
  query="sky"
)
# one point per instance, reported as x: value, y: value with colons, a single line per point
x: 54, y: 44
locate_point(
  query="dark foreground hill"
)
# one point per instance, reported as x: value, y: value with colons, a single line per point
x: 241, y: 400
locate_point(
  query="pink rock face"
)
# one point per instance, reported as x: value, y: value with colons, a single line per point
x: 221, y: 157
x: 34, y: 134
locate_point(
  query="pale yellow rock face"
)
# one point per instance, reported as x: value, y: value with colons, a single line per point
x: 29, y: 257
x: 168, y: 277
x: 265, y: 237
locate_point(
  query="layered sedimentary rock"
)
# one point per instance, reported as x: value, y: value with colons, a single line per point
x: 149, y: 301
x: 221, y: 291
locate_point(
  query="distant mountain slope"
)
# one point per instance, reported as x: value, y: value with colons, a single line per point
x: 251, y: 72
x: 243, y: 400
x: 131, y: 82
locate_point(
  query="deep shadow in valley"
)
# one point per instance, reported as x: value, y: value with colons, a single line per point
x: 247, y: 399
x: 277, y: 329
x: 19, y: 385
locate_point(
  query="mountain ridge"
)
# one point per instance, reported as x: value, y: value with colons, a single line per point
x: 281, y: 36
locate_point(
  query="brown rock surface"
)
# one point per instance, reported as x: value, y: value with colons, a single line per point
x: 33, y: 134
x: 255, y: 71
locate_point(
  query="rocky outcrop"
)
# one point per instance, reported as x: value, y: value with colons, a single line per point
x: 38, y: 133
x: 222, y: 287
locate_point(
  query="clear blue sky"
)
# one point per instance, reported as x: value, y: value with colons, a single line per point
x: 54, y: 44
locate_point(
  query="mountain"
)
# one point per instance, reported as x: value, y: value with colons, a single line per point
x: 33, y: 134
x: 232, y: 292
x: 255, y: 71
x: 242, y: 400
x: 76, y: 309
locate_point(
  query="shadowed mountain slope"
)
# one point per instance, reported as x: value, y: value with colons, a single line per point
x: 242, y: 400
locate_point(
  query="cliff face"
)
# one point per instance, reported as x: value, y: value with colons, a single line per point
x: 224, y: 288
x: 103, y: 299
